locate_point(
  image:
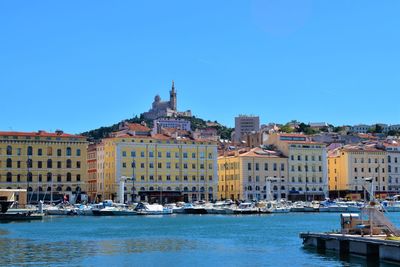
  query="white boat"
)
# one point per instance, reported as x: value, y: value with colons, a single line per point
x: 60, y: 210
x: 246, y: 208
x: 152, y: 209
x: 189, y: 208
x: 176, y: 208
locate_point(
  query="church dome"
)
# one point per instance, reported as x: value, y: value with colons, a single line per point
x: 157, y: 98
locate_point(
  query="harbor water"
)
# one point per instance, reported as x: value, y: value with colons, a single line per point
x: 173, y: 240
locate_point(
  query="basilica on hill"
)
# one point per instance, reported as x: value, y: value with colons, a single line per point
x: 162, y: 109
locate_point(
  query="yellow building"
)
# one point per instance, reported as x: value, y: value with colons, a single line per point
x: 165, y: 168
x: 243, y: 175
x: 42, y: 163
x: 350, y: 165
x: 307, y: 161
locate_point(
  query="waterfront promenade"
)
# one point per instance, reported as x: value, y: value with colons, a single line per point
x: 173, y: 240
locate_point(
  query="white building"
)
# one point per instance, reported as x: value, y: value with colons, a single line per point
x: 180, y: 124
x: 393, y: 162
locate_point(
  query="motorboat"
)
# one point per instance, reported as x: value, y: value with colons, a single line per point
x: 246, y: 208
x: 176, y: 208
x: 152, y: 209
x: 190, y: 208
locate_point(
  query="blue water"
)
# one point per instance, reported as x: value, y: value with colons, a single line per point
x: 176, y: 240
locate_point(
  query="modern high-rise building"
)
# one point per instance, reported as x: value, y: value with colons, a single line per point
x: 245, y: 124
x: 48, y: 165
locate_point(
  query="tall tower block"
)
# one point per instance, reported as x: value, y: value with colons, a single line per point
x: 172, y: 97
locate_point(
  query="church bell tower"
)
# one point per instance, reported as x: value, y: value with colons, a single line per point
x: 172, y: 98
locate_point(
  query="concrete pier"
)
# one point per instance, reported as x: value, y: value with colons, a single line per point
x: 371, y: 247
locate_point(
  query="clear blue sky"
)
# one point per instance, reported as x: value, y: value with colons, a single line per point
x: 78, y: 65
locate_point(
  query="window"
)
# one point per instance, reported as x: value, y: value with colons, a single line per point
x: 159, y: 165
x: 257, y: 166
x: 124, y: 153
x: 69, y: 164
x: 9, y: 177
x: 78, y: 152
x: 142, y: 154
x: 133, y: 154
x: 68, y: 151
x: 18, y: 164
x: 249, y: 166
x: 123, y: 164
x: 168, y: 154
x: 50, y: 151
x: 185, y: 155
x: 185, y: 166
x: 193, y: 166
x: 168, y: 165
x: 151, y: 165
x: 9, y: 150
x: 30, y: 150
x: 193, y: 155
x: 29, y: 163
x: 9, y: 163
x: 49, y: 164
x: 40, y: 178
x: 265, y: 166
x: 59, y: 152
x: 275, y: 167
x: 78, y: 164
x: 29, y: 176
x: 40, y: 152
x: 59, y: 164
x: 39, y: 164
x: 282, y: 167
x: 159, y: 154
x: 49, y: 177
x: 69, y: 177
x: 59, y: 178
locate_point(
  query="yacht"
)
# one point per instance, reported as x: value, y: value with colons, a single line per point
x: 152, y: 209
x: 246, y: 208
x: 190, y: 208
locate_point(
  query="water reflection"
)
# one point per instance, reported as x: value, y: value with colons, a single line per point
x: 346, y: 259
x: 26, y: 251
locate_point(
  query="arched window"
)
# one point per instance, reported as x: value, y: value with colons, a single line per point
x: 68, y: 189
x: 177, y: 188
x: 69, y: 163
x: 293, y: 189
x: 210, y: 189
x: 194, y: 189
x: 48, y: 189
x: 202, y: 189
x: 49, y: 164
x: 275, y: 188
x: 282, y: 187
x: 29, y: 151
x: 78, y: 177
x: 59, y: 178
x: 142, y: 189
x: 9, y: 150
x: 249, y: 188
x: 59, y: 189
x: 257, y: 188
x: 40, y: 189
x: 68, y: 151
x: 185, y: 189
x: 320, y: 189
x: 49, y: 177
x: 151, y: 188
x: 30, y: 189
x: 9, y: 163
x: 29, y: 176
x: 59, y: 153
x: 9, y: 177
x: 69, y: 177
x: 168, y: 188
x: 78, y: 189
x: 300, y: 189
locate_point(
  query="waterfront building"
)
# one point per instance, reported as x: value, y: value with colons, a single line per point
x: 307, y: 162
x: 245, y: 124
x: 360, y: 128
x: 100, y: 156
x: 161, y: 109
x: 46, y: 164
x: 92, y: 172
x: 175, y: 123
x: 163, y: 168
x: 245, y: 174
x: 351, y: 165
x: 393, y: 166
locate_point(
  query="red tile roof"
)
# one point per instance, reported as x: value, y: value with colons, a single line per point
x: 40, y: 133
x: 138, y: 127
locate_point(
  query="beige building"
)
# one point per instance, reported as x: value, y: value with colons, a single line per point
x: 244, y: 175
x: 307, y: 161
